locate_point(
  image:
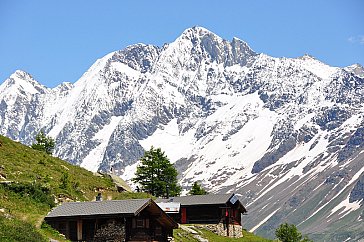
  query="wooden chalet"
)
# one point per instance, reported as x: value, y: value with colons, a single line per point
x: 113, y: 220
x: 205, y: 209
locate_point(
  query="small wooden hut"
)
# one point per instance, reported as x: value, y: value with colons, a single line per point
x: 116, y: 220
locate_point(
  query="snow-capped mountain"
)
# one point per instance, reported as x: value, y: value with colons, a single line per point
x: 287, y: 134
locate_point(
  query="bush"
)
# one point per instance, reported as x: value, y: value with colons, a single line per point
x: 64, y: 182
x: 16, y: 230
x: 34, y: 191
x: 289, y: 233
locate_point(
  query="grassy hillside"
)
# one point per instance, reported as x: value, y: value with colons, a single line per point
x: 32, y: 182
x: 182, y: 235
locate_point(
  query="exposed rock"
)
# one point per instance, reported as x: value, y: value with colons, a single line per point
x: 357, y: 194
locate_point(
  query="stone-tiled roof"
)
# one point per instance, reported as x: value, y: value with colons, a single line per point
x: 199, y: 199
x: 125, y: 207
x: 208, y: 199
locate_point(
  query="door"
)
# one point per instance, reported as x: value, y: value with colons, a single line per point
x: 183, y: 216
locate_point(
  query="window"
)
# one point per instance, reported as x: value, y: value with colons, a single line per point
x: 140, y: 223
x: 158, y: 230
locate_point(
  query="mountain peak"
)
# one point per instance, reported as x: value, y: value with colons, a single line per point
x: 211, y: 46
x: 21, y: 74
x: 64, y: 86
x: 24, y: 81
x: 307, y: 57
x: 356, y: 69
x: 198, y: 32
x: 202, y: 32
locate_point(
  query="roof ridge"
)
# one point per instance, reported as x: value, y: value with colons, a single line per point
x: 99, y: 207
x: 117, y: 200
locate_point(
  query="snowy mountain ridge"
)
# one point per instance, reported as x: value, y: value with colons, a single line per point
x: 285, y: 133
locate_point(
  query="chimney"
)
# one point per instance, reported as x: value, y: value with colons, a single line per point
x: 99, y: 197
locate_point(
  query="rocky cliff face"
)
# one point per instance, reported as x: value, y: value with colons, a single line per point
x: 287, y: 134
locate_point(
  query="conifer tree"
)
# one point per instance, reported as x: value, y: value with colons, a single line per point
x: 157, y: 175
x: 44, y: 143
x: 197, y: 190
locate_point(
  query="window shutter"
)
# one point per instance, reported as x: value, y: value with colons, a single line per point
x: 147, y: 223
x: 133, y: 223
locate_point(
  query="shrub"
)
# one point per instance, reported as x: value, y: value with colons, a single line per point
x: 17, y: 230
x: 289, y: 233
x: 34, y: 191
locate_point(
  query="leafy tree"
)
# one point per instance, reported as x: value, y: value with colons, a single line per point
x: 44, y: 143
x: 289, y: 233
x: 157, y: 175
x: 197, y: 190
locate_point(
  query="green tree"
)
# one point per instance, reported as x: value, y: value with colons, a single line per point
x: 289, y: 233
x: 197, y: 190
x: 157, y: 175
x: 44, y: 143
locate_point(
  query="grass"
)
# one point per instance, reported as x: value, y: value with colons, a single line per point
x: 48, y: 232
x: 247, y: 237
x: 17, y: 230
x: 37, y: 182
x: 250, y: 237
x: 181, y: 235
x: 25, y: 165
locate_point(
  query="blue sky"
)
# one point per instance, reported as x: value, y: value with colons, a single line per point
x: 58, y: 41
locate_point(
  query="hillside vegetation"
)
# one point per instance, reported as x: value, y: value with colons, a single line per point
x: 32, y: 182
x: 195, y: 234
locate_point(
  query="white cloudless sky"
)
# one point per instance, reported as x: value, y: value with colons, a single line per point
x: 57, y: 41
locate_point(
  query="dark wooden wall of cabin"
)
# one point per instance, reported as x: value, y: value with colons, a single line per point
x: 203, y: 214
x: 146, y: 228
x: 208, y: 214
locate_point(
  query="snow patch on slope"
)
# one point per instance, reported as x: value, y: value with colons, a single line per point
x: 129, y: 172
x: 342, y: 204
x: 121, y: 67
x: 169, y: 139
x: 346, y: 207
x: 263, y: 221
x: 232, y: 146
x: 83, y: 91
x: 92, y: 161
x: 302, y: 154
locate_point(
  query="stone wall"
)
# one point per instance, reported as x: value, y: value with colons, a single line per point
x: 112, y: 232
